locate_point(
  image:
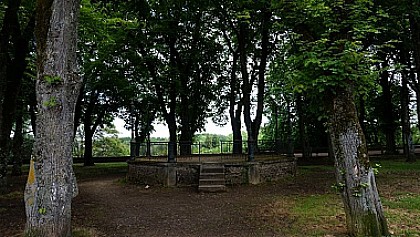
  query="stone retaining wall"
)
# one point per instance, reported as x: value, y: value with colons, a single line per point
x: 187, y: 174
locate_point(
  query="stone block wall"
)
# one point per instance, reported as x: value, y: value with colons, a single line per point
x: 187, y: 174
x: 259, y: 172
x: 163, y: 174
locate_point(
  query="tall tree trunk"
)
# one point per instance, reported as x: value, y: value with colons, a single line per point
x: 415, y: 39
x: 18, y: 140
x: 289, y: 129
x: 10, y: 16
x: 169, y: 116
x: 32, y: 108
x: 354, y: 174
x: 235, y: 107
x: 12, y: 71
x: 388, y: 125
x: 246, y: 86
x: 264, y: 53
x: 408, y: 146
x: 302, y: 127
x: 185, y: 115
x: 90, y: 124
x: 51, y: 182
x: 185, y: 139
x: 362, y: 115
x: 248, y: 79
x: 172, y: 146
x: 88, y: 153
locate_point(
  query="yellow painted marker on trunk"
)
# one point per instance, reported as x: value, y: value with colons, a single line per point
x: 31, y: 175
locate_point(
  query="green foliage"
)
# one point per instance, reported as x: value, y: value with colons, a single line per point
x: 52, y: 79
x: 51, y: 102
x: 327, y: 48
x: 110, y: 146
x: 376, y: 168
x: 42, y: 210
x: 107, y: 143
x: 339, y: 187
x: 210, y: 143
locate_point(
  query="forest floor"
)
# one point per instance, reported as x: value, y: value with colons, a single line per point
x: 304, y: 205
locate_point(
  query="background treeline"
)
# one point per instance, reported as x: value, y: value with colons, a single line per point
x: 181, y: 62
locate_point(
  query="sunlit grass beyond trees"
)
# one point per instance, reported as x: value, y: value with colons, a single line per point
x: 322, y: 214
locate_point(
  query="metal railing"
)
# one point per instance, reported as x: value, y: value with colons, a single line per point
x: 184, y: 151
x: 226, y: 150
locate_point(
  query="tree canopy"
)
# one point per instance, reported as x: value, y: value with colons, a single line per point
x: 181, y: 62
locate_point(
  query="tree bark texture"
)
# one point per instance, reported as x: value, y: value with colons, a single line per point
x: 18, y: 139
x: 407, y: 140
x: 289, y: 129
x: 264, y: 53
x: 415, y: 36
x: 235, y: 106
x: 14, y: 48
x: 51, y: 182
x: 304, y: 140
x: 354, y: 174
x: 387, y: 117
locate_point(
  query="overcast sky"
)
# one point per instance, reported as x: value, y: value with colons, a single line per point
x: 162, y: 130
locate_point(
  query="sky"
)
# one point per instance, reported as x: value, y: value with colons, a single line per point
x: 162, y: 130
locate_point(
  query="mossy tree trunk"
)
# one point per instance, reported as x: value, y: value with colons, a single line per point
x: 51, y: 183
x: 354, y: 173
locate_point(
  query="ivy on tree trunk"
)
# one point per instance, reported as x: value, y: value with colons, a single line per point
x: 51, y: 182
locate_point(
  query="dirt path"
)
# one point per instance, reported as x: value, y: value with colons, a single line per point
x: 107, y: 207
x: 110, y: 208
x: 120, y: 210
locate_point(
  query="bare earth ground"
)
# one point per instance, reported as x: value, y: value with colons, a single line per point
x: 106, y: 206
x: 136, y: 211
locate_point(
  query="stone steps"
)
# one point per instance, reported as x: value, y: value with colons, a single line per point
x: 212, y: 178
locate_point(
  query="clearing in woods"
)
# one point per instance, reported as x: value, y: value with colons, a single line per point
x: 304, y: 205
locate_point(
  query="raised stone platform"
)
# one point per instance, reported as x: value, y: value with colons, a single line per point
x: 188, y: 173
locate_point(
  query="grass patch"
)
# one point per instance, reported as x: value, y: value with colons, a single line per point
x: 401, y: 221
x: 397, y: 166
x: 323, y: 214
x: 403, y: 213
x: 318, y: 215
x: 407, y: 201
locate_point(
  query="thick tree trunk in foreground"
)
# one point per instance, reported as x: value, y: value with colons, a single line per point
x: 355, y: 177
x: 51, y: 183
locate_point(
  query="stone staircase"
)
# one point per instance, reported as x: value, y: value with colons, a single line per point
x: 212, y: 178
